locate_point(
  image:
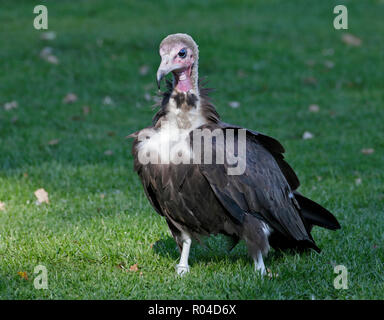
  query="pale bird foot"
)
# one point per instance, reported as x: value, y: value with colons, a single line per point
x: 261, y: 270
x: 182, y: 269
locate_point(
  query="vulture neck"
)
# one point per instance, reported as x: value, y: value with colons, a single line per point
x: 184, y: 111
x: 187, y: 80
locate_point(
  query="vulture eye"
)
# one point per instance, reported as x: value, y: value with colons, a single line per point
x: 182, y: 53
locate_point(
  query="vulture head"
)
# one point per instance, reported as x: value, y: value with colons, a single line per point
x: 179, y: 54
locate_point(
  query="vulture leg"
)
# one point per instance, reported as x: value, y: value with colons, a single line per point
x: 183, y: 267
x: 255, y: 234
x: 259, y: 264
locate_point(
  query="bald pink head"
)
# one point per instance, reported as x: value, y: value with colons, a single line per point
x: 179, y: 55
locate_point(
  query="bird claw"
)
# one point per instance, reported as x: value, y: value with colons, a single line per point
x: 182, y: 269
x: 261, y: 271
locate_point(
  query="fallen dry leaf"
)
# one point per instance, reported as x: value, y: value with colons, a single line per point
x: 314, y: 108
x: 47, y: 55
x: 144, y: 70
x: 234, y: 104
x: 49, y: 35
x: 108, y: 100
x: 367, y: 150
x: 2, y: 206
x: 10, y: 105
x: 70, y: 98
x: 147, y: 96
x: 108, y: 152
x: 134, y: 268
x: 52, y: 59
x: 328, y: 52
x: 23, y: 274
x: 86, y: 110
x: 42, y: 196
x: 53, y: 142
x: 329, y: 64
x: 351, y: 40
x: 46, y: 51
x: 307, y: 135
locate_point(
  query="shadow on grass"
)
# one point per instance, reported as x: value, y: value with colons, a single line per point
x: 210, y: 248
x: 214, y: 249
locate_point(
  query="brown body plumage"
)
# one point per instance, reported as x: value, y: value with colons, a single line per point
x: 259, y: 206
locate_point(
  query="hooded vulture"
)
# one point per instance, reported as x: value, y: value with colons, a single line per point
x: 205, y: 176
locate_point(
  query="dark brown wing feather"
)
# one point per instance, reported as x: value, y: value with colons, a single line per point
x: 262, y: 190
x: 184, y: 197
x: 276, y: 150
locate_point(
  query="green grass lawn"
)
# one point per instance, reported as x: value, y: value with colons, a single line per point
x: 276, y: 58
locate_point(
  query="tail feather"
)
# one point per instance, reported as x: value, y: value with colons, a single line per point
x: 315, y: 214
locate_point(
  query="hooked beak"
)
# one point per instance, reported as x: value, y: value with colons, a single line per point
x: 165, y: 68
x: 159, y: 76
